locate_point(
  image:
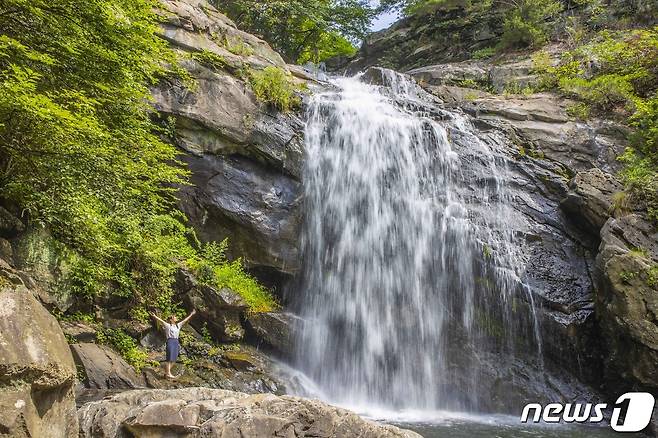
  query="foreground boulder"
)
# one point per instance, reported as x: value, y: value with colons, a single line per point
x: 37, y: 372
x: 196, y: 412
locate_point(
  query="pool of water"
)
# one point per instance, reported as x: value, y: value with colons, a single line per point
x: 462, y: 429
x: 446, y: 424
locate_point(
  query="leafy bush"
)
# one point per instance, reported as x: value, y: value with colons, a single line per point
x: 579, y: 111
x: 640, y: 172
x: 485, y: 53
x: 275, y: 87
x: 604, y: 93
x: 214, y: 269
x: 525, y: 23
x: 210, y: 59
x: 238, y: 47
x: 125, y: 345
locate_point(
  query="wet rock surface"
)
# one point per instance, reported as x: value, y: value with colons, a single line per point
x: 274, y: 330
x: 572, y: 200
x: 196, y: 412
x: 561, y: 191
x: 258, y: 207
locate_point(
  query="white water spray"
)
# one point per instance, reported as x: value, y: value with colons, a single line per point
x: 410, y: 263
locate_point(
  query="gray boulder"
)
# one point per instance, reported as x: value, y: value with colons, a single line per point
x: 541, y: 124
x: 105, y: 369
x: 274, y: 329
x: 451, y: 74
x: 591, y: 197
x: 37, y: 372
x: 197, y: 412
x: 79, y: 331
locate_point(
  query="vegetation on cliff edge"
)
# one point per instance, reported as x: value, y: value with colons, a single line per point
x: 615, y: 74
x: 79, y: 150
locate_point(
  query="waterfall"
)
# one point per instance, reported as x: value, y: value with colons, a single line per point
x: 413, y: 272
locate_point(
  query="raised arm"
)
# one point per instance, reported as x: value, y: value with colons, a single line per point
x: 161, y: 321
x: 188, y: 317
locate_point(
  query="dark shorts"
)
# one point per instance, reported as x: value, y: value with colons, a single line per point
x: 173, y: 349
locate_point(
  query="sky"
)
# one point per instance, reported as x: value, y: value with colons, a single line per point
x: 384, y: 20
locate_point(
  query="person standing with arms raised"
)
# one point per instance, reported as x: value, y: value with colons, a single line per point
x: 172, y: 332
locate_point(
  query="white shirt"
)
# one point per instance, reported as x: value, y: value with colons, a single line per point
x: 172, y: 330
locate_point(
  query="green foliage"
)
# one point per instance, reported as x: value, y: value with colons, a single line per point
x: 125, y: 345
x: 79, y: 149
x: 205, y: 334
x: 616, y: 74
x: 274, y: 86
x: 78, y: 317
x: 627, y: 276
x: 486, y: 251
x: 652, y: 276
x: 620, y: 203
x: 526, y: 22
x: 238, y: 47
x: 140, y: 314
x: 641, y: 159
x: 419, y: 7
x: 329, y: 44
x: 212, y: 268
x: 485, y: 53
x: 579, y: 111
x: 210, y: 59
x: 468, y: 83
x: 233, y: 276
x: 605, y: 93
x: 303, y: 30
x: 513, y: 88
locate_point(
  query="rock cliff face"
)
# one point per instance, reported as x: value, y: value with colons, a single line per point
x: 245, y: 159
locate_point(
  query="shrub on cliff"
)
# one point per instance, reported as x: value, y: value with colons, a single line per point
x: 274, y: 86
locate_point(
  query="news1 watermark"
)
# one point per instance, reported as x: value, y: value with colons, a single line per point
x: 631, y: 412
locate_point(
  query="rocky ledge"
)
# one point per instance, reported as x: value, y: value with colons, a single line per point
x: 197, y: 412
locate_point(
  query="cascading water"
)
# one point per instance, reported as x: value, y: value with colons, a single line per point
x: 412, y: 271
